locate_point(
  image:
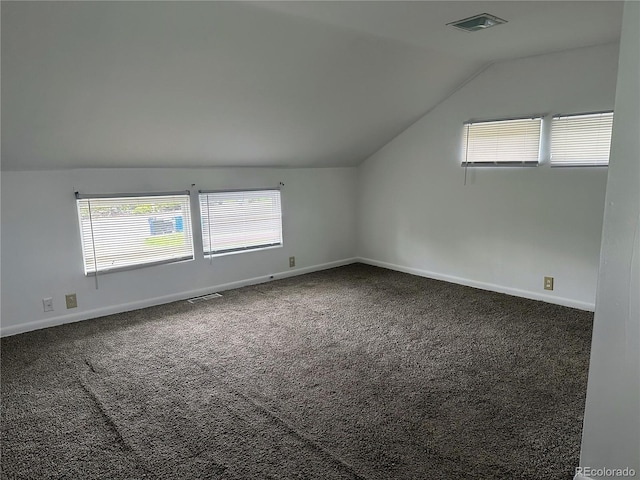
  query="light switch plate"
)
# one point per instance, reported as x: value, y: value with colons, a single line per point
x: 47, y: 304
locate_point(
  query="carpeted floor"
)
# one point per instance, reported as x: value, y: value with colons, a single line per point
x: 351, y: 373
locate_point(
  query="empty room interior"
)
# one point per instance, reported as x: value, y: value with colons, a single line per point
x: 320, y: 240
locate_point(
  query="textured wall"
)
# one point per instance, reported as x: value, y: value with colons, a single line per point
x: 611, y: 434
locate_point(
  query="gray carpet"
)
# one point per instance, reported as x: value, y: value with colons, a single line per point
x: 351, y: 373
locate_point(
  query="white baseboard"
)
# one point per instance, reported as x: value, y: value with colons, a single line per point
x: 567, y: 302
x: 150, y: 302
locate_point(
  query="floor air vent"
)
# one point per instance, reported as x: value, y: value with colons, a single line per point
x: 204, y: 298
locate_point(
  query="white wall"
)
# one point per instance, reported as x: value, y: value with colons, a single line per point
x: 41, y: 253
x: 611, y: 433
x: 508, y: 227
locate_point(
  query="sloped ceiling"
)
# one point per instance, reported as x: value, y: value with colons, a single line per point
x: 194, y: 84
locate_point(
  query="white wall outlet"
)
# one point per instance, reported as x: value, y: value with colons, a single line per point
x: 292, y: 262
x: 47, y: 304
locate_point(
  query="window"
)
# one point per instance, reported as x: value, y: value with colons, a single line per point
x: 235, y: 221
x: 502, y: 142
x: 581, y: 140
x: 128, y: 231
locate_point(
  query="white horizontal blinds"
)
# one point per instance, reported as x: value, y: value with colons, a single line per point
x: 125, y: 232
x: 240, y: 220
x: 581, y: 140
x: 502, y: 142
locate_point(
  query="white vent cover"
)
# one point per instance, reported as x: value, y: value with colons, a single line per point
x: 477, y: 22
x: 204, y: 298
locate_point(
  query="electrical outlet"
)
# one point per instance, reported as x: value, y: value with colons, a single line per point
x: 72, y: 300
x: 292, y: 262
x: 548, y: 283
x: 47, y: 304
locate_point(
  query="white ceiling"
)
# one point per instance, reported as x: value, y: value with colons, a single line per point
x: 191, y: 84
x: 533, y: 27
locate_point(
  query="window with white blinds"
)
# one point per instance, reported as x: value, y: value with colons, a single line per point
x: 234, y: 221
x: 129, y: 231
x: 581, y: 140
x: 502, y: 142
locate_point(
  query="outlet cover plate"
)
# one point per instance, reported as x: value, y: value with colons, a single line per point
x: 292, y: 262
x: 548, y: 283
x: 72, y: 300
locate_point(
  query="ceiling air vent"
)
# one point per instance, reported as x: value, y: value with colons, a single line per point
x: 477, y: 22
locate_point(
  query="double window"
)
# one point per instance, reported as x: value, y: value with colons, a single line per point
x: 513, y: 142
x: 234, y: 221
x: 581, y: 140
x: 125, y: 231
x: 576, y: 140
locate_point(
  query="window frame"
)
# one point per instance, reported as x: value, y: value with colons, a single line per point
x: 206, y: 245
x: 96, y: 269
x: 505, y: 163
x: 578, y: 164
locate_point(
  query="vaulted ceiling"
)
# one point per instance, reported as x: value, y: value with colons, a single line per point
x: 192, y: 84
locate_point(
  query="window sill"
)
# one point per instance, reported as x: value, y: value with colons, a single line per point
x: 499, y: 164
x: 579, y: 165
x: 236, y: 252
x: 138, y: 266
